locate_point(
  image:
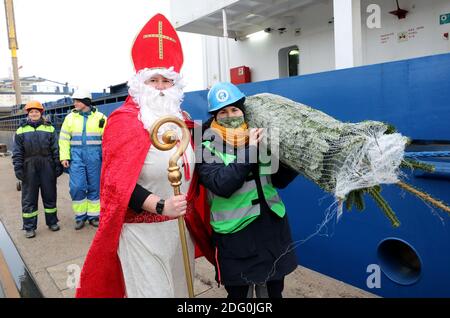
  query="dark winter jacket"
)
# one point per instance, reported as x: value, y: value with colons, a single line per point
x: 35, y: 140
x: 248, y: 255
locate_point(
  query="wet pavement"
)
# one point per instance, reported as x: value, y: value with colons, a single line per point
x: 26, y: 286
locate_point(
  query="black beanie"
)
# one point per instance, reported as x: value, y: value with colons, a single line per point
x: 238, y: 104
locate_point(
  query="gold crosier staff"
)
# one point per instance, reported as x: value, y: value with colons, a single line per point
x: 169, y: 141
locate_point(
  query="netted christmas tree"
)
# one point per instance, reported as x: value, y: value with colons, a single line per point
x: 345, y: 159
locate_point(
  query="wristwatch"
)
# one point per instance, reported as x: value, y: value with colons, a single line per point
x: 160, y: 206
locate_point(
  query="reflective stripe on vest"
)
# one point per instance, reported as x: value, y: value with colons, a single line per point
x: 229, y: 215
x: 28, y: 128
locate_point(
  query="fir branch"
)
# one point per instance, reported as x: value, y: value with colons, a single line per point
x: 350, y: 201
x: 424, y: 196
x: 390, y: 129
x: 414, y: 164
x: 359, y: 200
x: 384, y: 206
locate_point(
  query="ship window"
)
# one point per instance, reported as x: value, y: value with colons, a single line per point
x: 288, y: 61
x: 293, y: 62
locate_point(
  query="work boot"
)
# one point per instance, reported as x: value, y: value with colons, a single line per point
x: 30, y: 234
x: 54, y: 227
x: 79, y: 225
x: 94, y: 223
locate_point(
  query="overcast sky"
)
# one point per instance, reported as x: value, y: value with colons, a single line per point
x: 87, y: 43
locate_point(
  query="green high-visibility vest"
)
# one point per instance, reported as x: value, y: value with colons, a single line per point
x: 72, y: 131
x: 229, y: 215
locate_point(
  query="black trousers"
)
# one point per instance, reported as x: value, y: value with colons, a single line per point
x: 272, y: 289
x: 39, y: 173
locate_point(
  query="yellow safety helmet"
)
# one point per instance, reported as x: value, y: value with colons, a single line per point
x: 34, y: 104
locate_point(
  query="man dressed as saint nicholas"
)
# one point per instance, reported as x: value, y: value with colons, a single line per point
x: 136, y: 251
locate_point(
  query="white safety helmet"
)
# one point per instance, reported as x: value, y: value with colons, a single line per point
x: 81, y: 94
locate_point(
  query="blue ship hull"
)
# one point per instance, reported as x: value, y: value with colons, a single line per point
x: 363, y: 249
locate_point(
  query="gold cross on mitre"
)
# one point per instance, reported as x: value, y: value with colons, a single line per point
x: 160, y: 37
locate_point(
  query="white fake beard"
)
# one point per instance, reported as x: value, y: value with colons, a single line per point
x: 152, y: 106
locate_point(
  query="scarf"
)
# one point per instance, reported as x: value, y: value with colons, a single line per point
x: 236, y: 137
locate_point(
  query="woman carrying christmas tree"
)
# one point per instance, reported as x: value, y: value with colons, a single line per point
x: 251, y: 233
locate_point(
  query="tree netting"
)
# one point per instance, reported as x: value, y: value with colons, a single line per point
x: 345, y: 159
x: 339, y: 157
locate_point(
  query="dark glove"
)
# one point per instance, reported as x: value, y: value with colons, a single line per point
x: 59, y: 170
x: 19, y: 174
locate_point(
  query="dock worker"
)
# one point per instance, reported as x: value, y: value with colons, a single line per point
x: 36, y: 164
x: 80, y: 143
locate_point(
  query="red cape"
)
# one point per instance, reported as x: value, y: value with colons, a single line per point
x: 125, y: 146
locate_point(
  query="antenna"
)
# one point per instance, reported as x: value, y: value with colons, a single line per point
x: 11, y: 27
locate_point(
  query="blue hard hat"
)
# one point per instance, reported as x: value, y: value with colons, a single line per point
x: 223, y: 94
